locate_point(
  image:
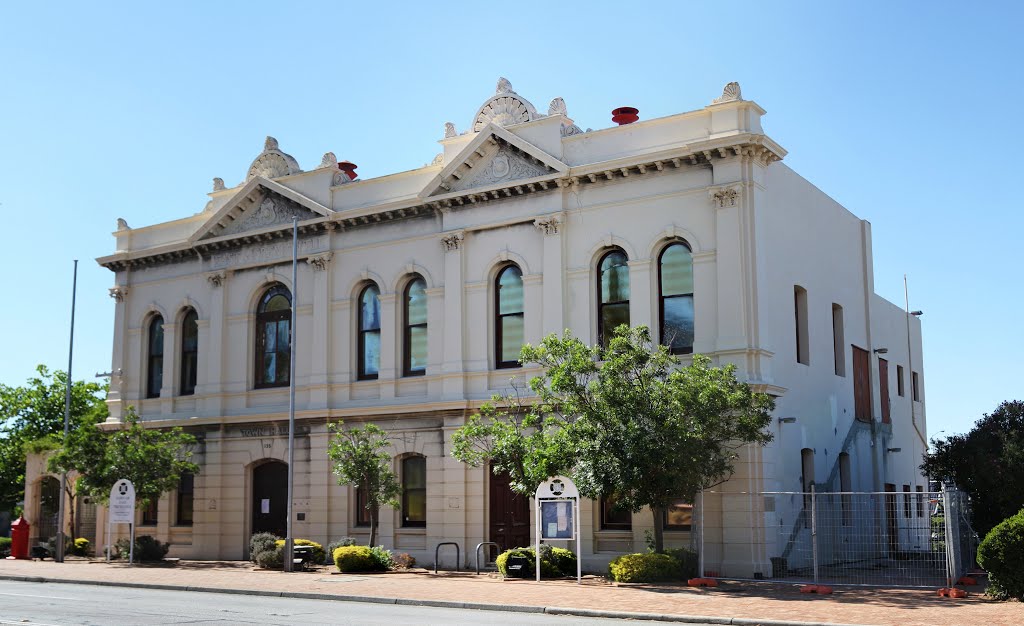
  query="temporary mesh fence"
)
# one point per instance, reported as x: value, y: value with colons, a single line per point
x: 890, y: 538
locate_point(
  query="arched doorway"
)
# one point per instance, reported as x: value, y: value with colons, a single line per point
x: 270, y: 498
x: 49, y: 503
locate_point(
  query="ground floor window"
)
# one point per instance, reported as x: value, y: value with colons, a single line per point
x: 679, y: 515
x: 613, y: 518
x: 149, y: 514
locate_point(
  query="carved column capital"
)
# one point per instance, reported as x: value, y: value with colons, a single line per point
x: 217, y: 278
x: 118, y: 293
x: 319, y: 262
x: 725, y: 197
x: 548, y: 225
x: 453, y: 242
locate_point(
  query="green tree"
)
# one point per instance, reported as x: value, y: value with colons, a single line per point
x: 627, y: 421
x: 361, y: 460
x: 34, y: 412
x: 984, y: 462
x: 152, y: 458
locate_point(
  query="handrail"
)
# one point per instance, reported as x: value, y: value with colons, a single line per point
x: 457, y: 554
x: 478, y: 546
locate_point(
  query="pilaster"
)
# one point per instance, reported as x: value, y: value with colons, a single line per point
x: 552, y: 230
x: 454, y: 349
x: 212, y: 352
x: 116, y: 393
x: 321, y: 329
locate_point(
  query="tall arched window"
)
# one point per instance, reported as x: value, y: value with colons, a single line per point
x: 675, y: 293
x: 155, y: 358
x: 415, y: 344
x: 508, y: 322
x: 369, y: 333
x: 414, y: 491
x: 189, y: 352
x: 612, y: 294
x: 273, y: 337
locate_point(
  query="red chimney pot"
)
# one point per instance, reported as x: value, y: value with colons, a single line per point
x: 349, y: 168
x: 625, y: 115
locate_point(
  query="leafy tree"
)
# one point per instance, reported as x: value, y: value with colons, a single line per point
x: 35, y: 412
x: 153, y: 459
x: 984, y: 463
x: 361, y: 460
x: 626, y: 421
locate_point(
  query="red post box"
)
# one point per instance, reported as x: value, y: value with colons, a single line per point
x: 19, y: 539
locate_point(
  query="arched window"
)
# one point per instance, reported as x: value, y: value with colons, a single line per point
x: 414, y: 492
x: 675, y: 297
x: 155, y: 358
x: 612, y: 294
x: 508, y: 322
x: 415, y: 345
x: 273, y: 337
x: 189, y: 352
x: 369, y: 333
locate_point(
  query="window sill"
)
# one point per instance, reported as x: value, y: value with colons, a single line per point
x: 614, y: 533
x: 411, y: 530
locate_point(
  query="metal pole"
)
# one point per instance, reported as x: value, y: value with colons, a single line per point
x: 67, y: 418
x: 948, y: 534
x: 289, y: 564
x: 814, y: 533
x: 700, y: 554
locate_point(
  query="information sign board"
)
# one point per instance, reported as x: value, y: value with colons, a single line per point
x: 122, y: 502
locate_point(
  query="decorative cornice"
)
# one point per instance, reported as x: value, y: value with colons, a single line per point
x: 217, y: 279
x: 548, y: 225
x: 118, y: 293
x: 453, y: 242
x: 319, y: 262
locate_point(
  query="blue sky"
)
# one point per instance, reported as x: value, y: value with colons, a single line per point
x: 904, y: 112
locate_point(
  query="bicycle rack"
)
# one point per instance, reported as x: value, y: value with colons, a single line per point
x: 478, y: 546
x: 457, y: 554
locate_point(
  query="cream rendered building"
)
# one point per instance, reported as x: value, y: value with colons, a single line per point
x: 782, y: 287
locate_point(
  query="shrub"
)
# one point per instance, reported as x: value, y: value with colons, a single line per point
x: 1002, y: 554
x: 271, y: 559
x: 147, y: 548
x: 81, y: 547
x: 334, y: 545
x: 319, y: 555
x: 689, y: 562
x: 356, y: 559
x: 644, y: 567
x: 383, y: 558
x: 550, y: 560
x: 5, y: 546
x: 404, y: 560
x: 261, y: 542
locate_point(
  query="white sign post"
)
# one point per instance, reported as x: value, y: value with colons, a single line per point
x: 121, y: 510
x: 558, y: 517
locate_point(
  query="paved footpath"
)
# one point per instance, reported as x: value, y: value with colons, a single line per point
x: 731, y: 603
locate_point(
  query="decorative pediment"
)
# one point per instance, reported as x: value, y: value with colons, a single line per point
x: 505, y: 108
x: 495, y: 158
x: 260, y: 205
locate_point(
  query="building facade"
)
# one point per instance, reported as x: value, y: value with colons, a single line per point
x: 415, y: 291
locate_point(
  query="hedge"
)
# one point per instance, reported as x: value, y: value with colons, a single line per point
x: 1002, y: 555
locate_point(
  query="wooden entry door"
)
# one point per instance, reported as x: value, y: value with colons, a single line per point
x: 270, y: 498
x: 892, y: 526
x: 509, y: 514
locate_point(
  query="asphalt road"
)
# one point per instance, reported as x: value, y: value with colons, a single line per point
x: 37, y: 604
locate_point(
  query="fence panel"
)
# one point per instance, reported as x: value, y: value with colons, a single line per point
x: 902, y: 539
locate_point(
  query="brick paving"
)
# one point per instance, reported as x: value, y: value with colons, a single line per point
x: 731, y: 600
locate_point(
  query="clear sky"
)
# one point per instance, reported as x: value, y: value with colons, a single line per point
x: 906, y: 113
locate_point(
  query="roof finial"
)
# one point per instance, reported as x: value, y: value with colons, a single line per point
x: 731, y: 93
x: 270, y: 144
x: 218, y: 184
x: 503, y: 86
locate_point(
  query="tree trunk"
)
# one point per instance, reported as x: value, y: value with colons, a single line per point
x: 374, y: 510
x: 71, y: 513
x: 659, y: 528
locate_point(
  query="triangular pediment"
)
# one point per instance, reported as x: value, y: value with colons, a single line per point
x: 260, y: 205
x: 494, y: 158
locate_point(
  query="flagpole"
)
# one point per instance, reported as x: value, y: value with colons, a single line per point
x: 289, y: 563
x: 67, y: 418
